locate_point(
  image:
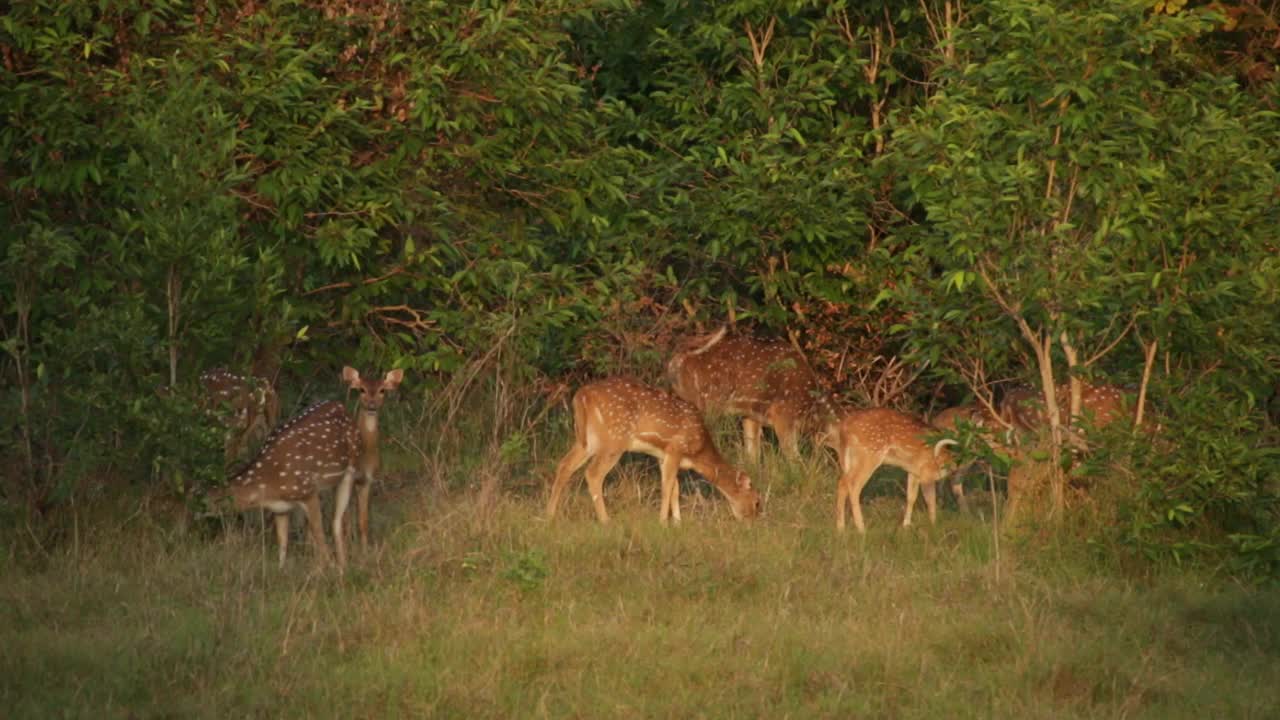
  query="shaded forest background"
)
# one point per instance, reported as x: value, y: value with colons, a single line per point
x: 504, y: 198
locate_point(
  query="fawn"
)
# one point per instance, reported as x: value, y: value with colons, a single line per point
x: 866, y: 439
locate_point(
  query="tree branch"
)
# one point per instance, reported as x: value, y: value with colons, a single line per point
x: 397, y: 270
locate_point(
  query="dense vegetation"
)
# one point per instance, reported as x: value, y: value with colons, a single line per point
x: 936, y: 201
x: 504, y: 198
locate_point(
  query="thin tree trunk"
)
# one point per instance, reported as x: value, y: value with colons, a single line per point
x: 23, y: 355
x: 173, y: 290
x: 1076, y: 387
x: 1044, y: 358
x: 1148, y: 362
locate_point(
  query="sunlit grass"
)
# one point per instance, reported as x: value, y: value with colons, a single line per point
x: 469, y: 611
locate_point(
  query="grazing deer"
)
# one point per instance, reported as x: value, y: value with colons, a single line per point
x: 312, y: 452
x: 252, y: 408
x: 950, y: 420
x: 1101, y: 404
x: 619, y: 415
x: 767, y: 383
x: 867, y: 439
x: 995, y: 428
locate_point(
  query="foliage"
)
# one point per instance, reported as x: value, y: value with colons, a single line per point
x: 1079, y: 176
x: 190, y: 185
x: 1058, y: 190
x: 758, y: 121
x: 505, y: 197
x: 1205, y: 486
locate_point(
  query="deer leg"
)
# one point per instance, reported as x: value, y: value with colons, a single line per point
x: 665, y: 502
x: 315, y: 527
x: 362, y: 504
x: 670, y: 489
x: 861, y: 474
x: 751, y: 438
x: 790, y: 442
x: 842, y: 496
x: 913, y: 491
x: 569, y: 464
x: 788, y: 437
x: 957, y: 489
x: 931, y: 501
x: 855, y: 473
x: 843, y: 485
x: 282, y: 535
x: 340, y: 501
x: 600, y: 466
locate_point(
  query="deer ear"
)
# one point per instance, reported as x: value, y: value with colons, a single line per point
x: 393, y: 378
x: 350, y: 375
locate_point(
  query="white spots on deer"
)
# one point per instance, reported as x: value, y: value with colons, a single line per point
x: 768, y: 383
x: 247, y: 406
x: 309, y: 453
x: 1100, y: 405
x: 620, y: 415
x: 867, y: 439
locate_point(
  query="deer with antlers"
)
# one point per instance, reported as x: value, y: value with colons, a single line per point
x: 767, y: 383
x: 247, y: 406
x: 866, y: 439
x: 320, y: 448
x: 620, y: 415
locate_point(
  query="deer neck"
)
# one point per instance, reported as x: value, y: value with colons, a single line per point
x: 709, y: 464
x: 366, y: 432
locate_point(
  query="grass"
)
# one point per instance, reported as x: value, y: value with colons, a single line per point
x: 464, y: 611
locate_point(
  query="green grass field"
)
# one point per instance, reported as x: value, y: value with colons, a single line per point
x: 464, y: 610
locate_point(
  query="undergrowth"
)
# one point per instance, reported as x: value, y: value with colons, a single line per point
x: 484, y: 609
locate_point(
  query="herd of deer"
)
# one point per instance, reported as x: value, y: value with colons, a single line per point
x: 765, y: 383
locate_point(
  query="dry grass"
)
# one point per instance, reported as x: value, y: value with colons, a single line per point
x: 498, y: 613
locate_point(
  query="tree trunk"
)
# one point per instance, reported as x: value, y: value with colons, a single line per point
x: 1148, y: 362
x: 1043, y: 346
x: 22, y: 362
x: 173, y: 293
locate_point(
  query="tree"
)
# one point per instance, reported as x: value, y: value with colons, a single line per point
x: 1080, y: 176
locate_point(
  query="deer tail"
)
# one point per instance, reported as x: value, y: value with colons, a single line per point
x: 710, y: 342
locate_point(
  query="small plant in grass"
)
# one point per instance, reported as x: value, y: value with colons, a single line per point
x: 528, y: 569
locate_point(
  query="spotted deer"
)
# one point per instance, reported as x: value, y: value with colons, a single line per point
x: 979, y: 417
x: 952, y: 417
x: 620, y: 415
x: 1023, y: 407
x: 950, y: 420
x: 320, y: 448
x: 866, y: 439
x: 247, y: 406
x: 767, y: 383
